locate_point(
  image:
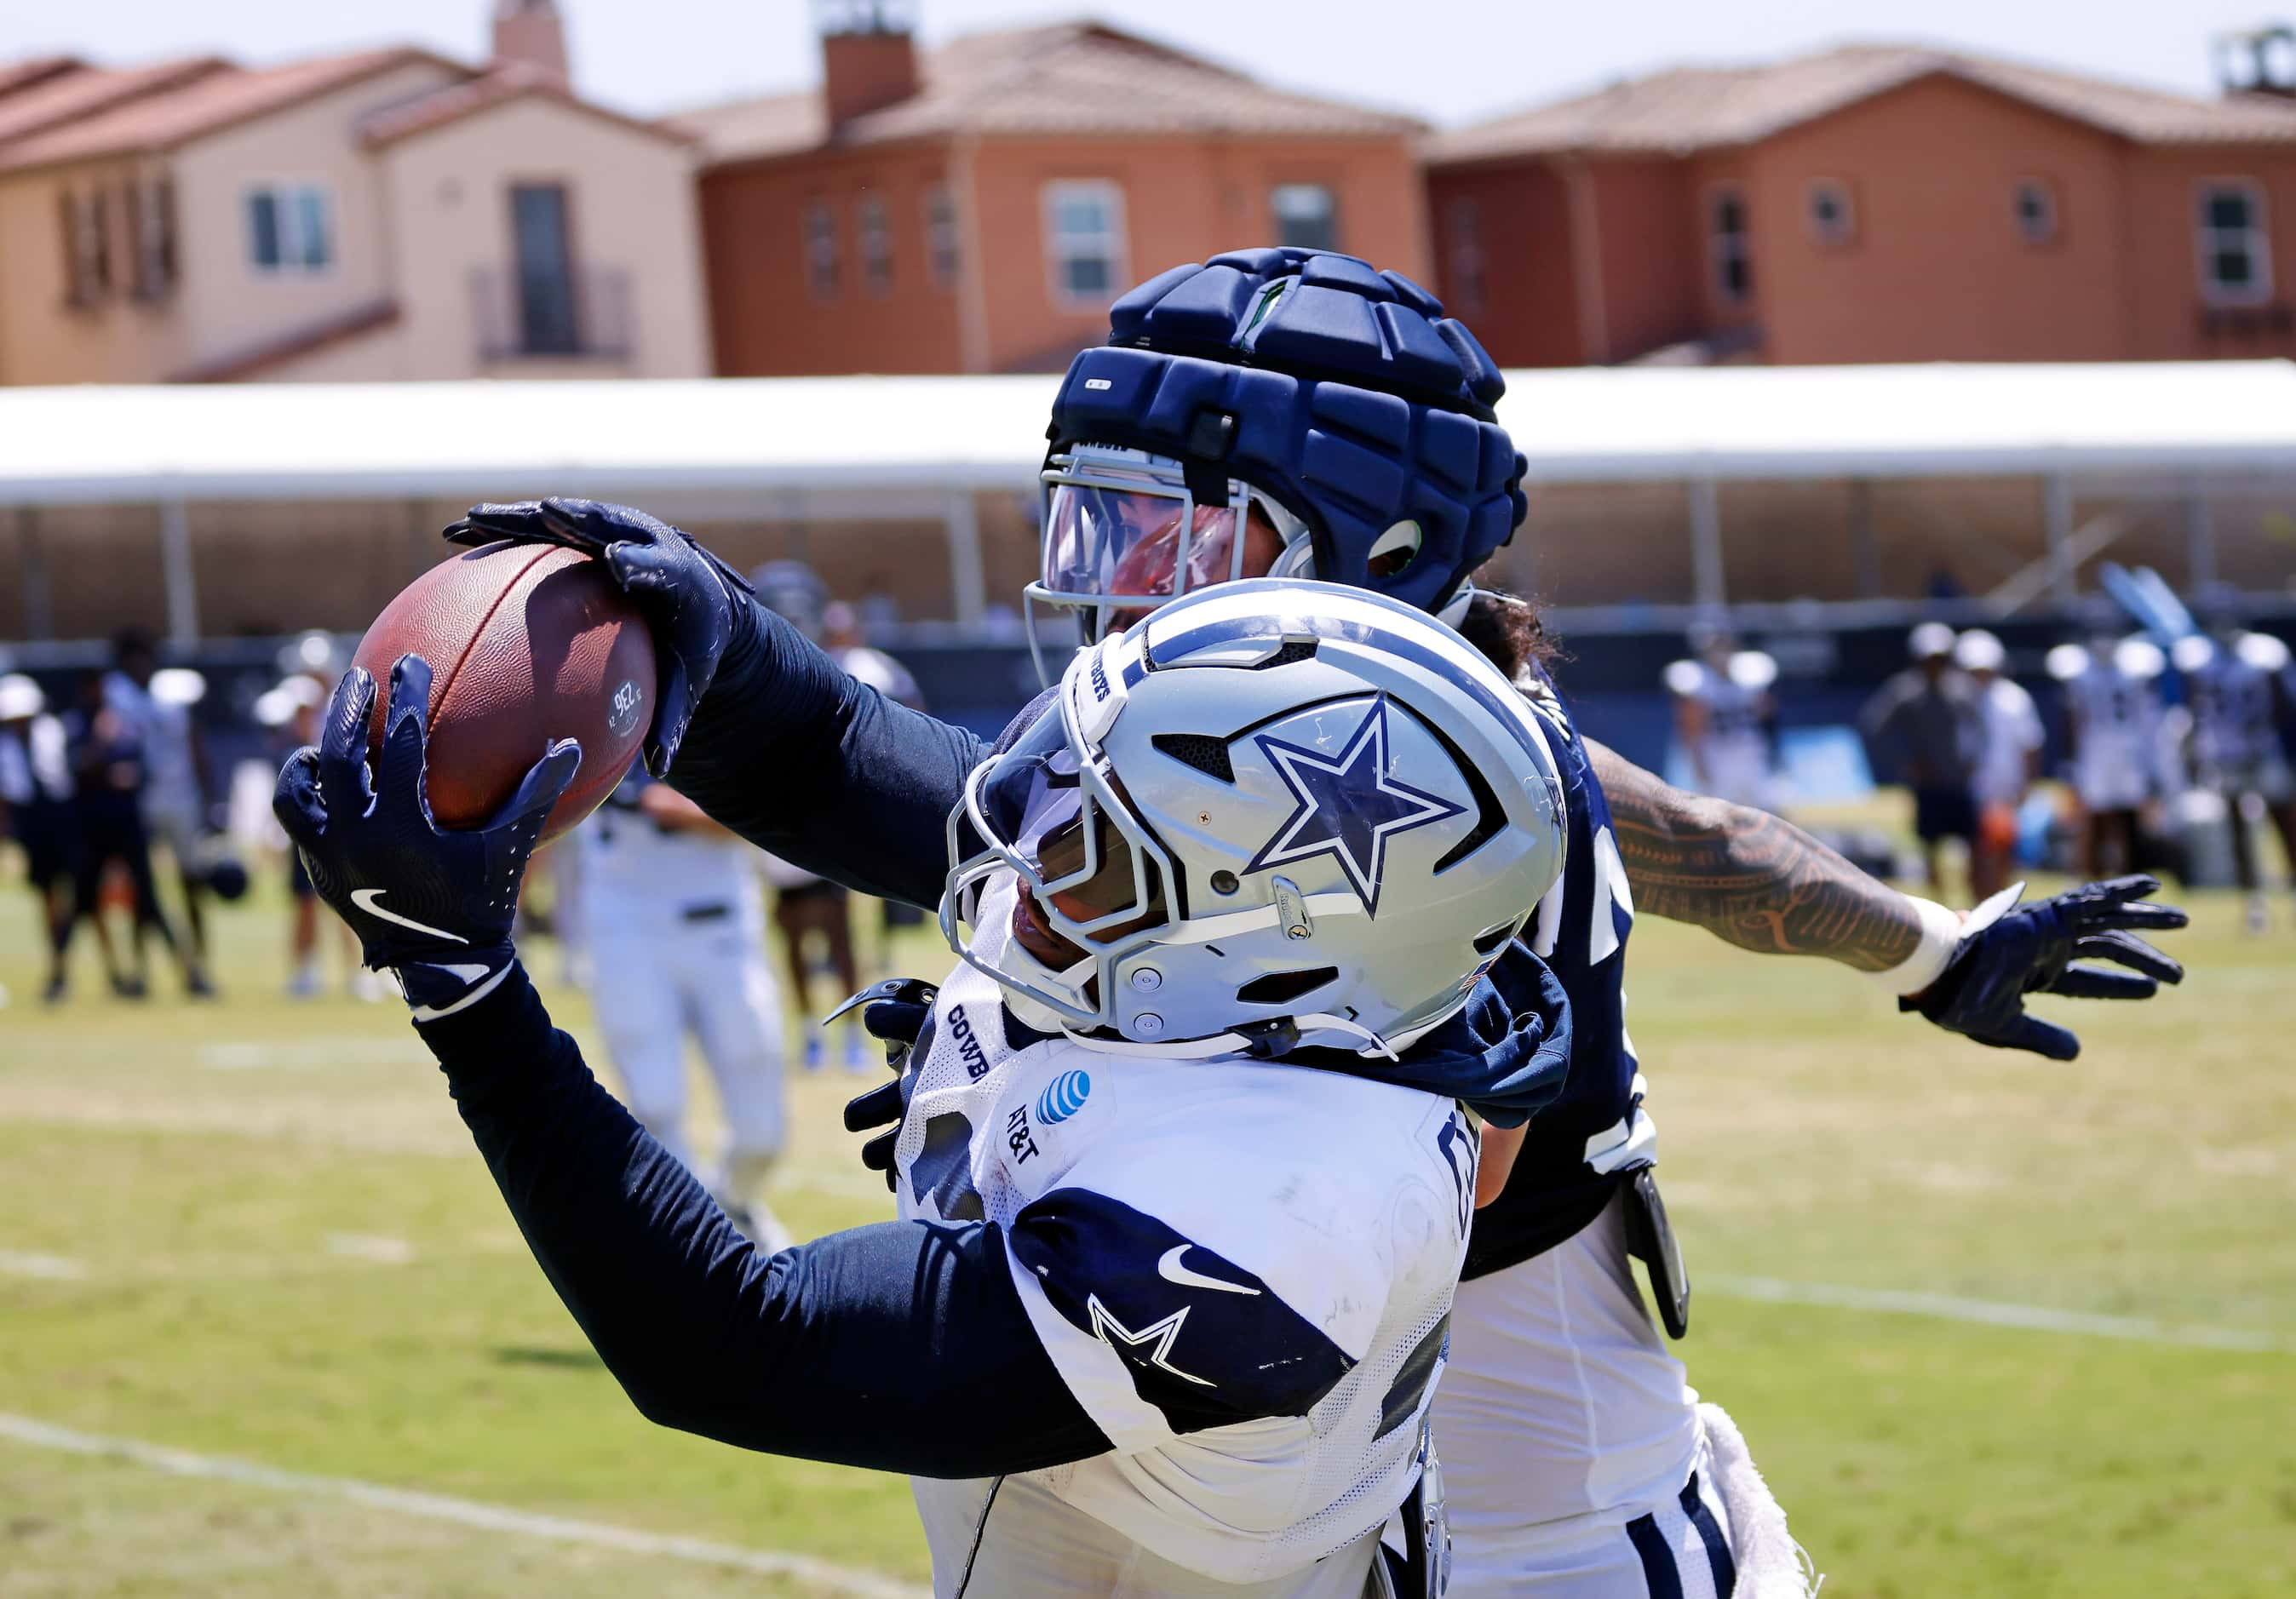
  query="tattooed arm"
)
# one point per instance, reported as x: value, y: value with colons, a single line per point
x: 1748, y: 877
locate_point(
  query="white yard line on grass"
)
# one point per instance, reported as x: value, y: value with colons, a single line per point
x: 1993, y: 1313
x: 467, y: 1512
x: 54, y: 1268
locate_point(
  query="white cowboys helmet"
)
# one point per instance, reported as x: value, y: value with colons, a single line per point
x: 1274, y: 813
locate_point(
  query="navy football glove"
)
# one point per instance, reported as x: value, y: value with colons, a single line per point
x: 432, y: 905
x: 2032, y: 950
x: 899, y: 1013
x: 688, y: 595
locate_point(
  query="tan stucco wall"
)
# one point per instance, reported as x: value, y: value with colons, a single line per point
x: 45, y: 340
x: 225, y: 303
x: 632, y: 209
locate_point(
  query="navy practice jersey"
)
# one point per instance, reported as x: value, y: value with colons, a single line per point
x: 1580, y: 930
x: 2233, y: 713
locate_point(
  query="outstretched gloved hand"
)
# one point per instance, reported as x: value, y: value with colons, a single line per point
x: 432, y: 905
x: 688, y: 595
x: 2051, y: 948
x: 898, y: 1012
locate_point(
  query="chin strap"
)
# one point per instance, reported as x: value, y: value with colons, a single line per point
x: 1264, y: 1041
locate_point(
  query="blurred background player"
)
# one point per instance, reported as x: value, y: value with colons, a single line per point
x: 36, y: 808
x: 108, y: 776
x: 2237, y: 686
x: 156, y: 705
x: 674, y: 924
x: 1726, y: 719
x: 2008, y: 760
x: 1925, y: 730
x: 2113, y: 734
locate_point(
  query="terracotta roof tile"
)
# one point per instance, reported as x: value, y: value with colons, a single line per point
x: 84, y: 91
x: 217, y: 100
x: 37, y: 69
x: 1068, y: 77
x: 497, y: 86
x: 1701, y: 108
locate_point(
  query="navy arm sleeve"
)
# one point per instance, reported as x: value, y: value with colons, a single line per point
x: 902, y: 1346
x: 806, y: 761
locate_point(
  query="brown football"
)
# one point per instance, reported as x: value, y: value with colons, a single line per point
x: 526, y: 643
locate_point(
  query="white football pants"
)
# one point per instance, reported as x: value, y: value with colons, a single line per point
x: 1014, y: 1539
x: 1578, y: 1463
x: 656, y: 979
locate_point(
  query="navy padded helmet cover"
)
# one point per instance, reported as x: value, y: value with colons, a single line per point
x: 1355, y: 404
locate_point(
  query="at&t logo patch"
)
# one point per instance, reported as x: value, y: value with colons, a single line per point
x: 1062, y: 1098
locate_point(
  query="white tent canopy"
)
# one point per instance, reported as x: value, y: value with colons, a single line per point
x: 934, y: 441
x: 319, y: 441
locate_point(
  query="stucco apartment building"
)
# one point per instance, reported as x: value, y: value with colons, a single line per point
x: 1875, y: 204
x: 974, y: 208
x: 380, y: 215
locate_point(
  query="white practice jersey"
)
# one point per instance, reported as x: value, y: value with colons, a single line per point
x: 1732, y: 755
x: 2012, y: 732
x: 633, y: 869
x: 2117, y: 755
x: 1195, y: 1242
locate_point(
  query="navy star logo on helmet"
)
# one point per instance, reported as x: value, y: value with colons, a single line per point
x: 1347, y: 805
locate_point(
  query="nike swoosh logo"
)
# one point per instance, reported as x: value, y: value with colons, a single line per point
x: 1170, y: 1269
x: 365, y: 899
x: 469, y: 974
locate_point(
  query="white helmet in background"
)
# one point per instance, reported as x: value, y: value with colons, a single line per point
x: 1274, y: 813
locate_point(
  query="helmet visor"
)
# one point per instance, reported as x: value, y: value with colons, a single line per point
x: 1106, y: 543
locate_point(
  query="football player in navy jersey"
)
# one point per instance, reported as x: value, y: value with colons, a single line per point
x: 1286, y: 411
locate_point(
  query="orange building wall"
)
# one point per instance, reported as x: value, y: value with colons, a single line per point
x: 1647, y: 228
x: 1528, y: 315
x: 1185, y: 199
x: 1937, y: 269
x: 765, y: 316
x: 2165, y: 321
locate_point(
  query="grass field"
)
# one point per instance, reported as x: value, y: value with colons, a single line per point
x: 254, y: 1231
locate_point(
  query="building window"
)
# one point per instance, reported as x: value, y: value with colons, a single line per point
x: 1084, y: 236
x: 549, y: 322
x: 2034, y: 204
x: 1307, y: 216
x: 876, y: 231
x: 152, y: 238
x: 820, y: 249
x: 1463, y: 224
x: 86, y: 224
x: 1726, y: 246
x: 941, y: 236
x: 290, y: 229
x: 1833, y: 220
x: 2235, y: 260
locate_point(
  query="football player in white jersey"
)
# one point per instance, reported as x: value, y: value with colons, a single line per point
x: 675, y: 929
x: 1723, y: 714
x: 1184, y: 1171
x: 2112, y: 703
